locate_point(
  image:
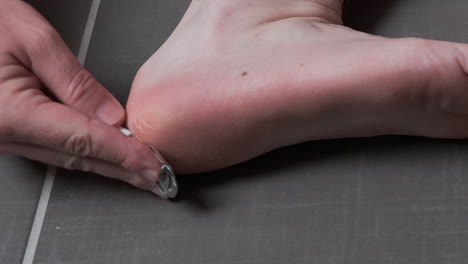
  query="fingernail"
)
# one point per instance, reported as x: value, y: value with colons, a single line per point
x: 110, y: 112
x: 151, y: 175
x: 159, y: 191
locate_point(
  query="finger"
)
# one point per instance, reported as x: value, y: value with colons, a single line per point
x: 72, y: 162
x: 61, y: 73
x: 62, y: 128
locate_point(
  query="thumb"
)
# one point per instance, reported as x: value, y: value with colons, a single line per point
x: 61, y: 73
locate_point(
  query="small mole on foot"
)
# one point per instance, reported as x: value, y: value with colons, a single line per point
x: 244, y: 73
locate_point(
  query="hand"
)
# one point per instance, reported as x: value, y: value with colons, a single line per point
x: 75, y: 131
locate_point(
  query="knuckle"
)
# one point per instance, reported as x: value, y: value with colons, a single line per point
x: 116, y: 151
x: 129, y: 162
x: 79, y: 86
x: 42, y: 39
x: 123, y: 160
x: 119, y: 158
x: 80, y: 144
x: 76, y: 163
x: 135, y: 158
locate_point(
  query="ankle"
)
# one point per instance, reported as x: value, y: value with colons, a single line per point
x: 328, y: 10
x: 260, y: 12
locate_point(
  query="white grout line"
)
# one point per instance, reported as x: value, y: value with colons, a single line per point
x: 39, y: 217
x: 51, y: 170
x: 88, y: 31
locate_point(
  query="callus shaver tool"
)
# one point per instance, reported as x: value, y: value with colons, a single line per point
x: 167, y: 184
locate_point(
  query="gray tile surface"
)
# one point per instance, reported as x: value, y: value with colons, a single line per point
x: 379, y: 200
x: 19, y: 191
x: 68, y: 18
x: 22, y: 179
x: 416, y: 18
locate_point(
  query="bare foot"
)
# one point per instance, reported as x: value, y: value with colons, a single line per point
x: 239, y: 78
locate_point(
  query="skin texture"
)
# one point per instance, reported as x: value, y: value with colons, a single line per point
x: 240, y: 78
x: 75, y: 131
